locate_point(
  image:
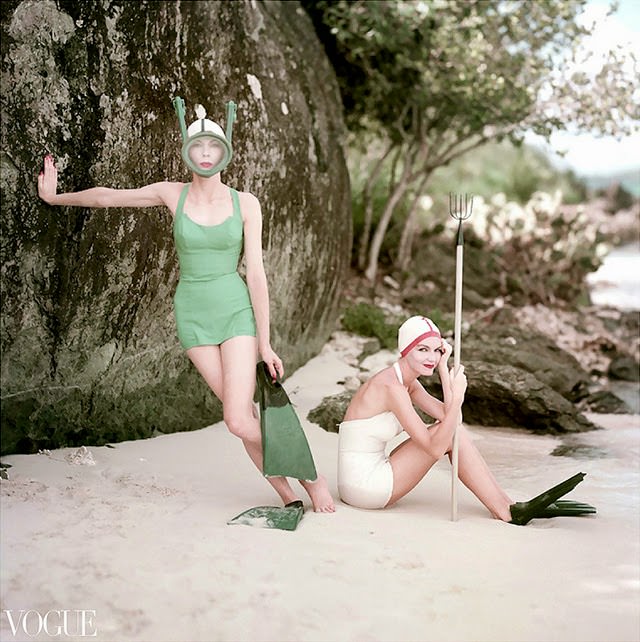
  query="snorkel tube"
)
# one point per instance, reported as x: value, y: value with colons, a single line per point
x: 205, y: 128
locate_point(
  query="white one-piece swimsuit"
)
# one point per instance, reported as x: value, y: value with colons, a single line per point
x: 365, y: 477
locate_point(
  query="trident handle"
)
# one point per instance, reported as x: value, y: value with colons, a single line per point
x: 460, y: 208
x: 456, y: 366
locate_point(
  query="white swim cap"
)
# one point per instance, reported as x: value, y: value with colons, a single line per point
x: 414, y: 330
x: 204, y: 125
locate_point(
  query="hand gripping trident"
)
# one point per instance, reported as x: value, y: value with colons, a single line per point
x: 460, y: 209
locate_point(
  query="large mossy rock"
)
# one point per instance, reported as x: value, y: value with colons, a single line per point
x: 89, y: 349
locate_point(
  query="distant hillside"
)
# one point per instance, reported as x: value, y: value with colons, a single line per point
x: 630, y: 180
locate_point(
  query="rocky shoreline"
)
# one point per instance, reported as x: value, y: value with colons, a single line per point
x: 535, y: 367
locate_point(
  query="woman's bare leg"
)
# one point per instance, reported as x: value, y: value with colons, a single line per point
x: 410, y: 464
x: 230, y: 371
x: 234, y: 386
x: 478, y: 478
x: 239, y: 387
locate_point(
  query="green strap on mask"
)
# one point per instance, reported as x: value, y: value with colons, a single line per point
x: 231, y: 118
x: 178, y: 105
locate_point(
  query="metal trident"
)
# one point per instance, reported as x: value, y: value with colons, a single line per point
x: 460, y: 209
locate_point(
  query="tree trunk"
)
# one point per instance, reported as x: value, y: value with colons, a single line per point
x: 406, y: 240
x: 368, y: 208
x: 408, y: 231
x: 376, y: 243
x: 413, y: 158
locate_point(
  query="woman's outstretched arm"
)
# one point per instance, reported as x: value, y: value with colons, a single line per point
x: 147, y: 196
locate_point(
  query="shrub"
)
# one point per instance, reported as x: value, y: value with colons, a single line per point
x: 368, y: 321
x: 545, y: 254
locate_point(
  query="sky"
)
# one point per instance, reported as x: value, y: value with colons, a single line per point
x: 586, y: 154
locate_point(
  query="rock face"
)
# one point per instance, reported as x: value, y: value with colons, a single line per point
x: 89, y: 349
x: 507, y: 396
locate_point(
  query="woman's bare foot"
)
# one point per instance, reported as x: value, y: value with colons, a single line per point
x: 320, y: 496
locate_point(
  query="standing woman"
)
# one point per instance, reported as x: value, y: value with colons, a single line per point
x: 222, y: 322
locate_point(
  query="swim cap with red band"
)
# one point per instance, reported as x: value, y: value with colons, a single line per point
x: 414, y: 330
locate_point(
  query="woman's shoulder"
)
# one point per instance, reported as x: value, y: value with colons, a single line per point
x: 385, y: 382
x: 248, y: 198
x: 386, y: 376
x: 167, y: 189
x: 169, y: 185
x: 169, y: 192
x: 249, y: 205
x: 380, y: 393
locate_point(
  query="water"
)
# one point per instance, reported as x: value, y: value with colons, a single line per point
x: 616, y: 282
x: 609, y: 457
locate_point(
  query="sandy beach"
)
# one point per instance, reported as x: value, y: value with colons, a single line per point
x: 140, y: 540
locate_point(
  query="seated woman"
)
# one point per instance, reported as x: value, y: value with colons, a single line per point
x: 384, y: 406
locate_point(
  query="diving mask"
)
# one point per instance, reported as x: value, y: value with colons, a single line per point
x: 206, y: 148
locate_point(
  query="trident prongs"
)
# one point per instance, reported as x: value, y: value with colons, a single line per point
x: 460, y: 206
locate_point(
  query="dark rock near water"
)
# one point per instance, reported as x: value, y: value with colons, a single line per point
x: 502, y: 395
x: 536, y: 354
x: 580, y: 451
x: 624, y: 368
x: 89, y: 350
x: 605, y: 401
x: 521, y: 378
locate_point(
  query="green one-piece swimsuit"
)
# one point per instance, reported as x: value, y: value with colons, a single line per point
x: 212, y: 301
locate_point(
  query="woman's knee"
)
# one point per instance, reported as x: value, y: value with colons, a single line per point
x: 464, y: 437
x: 463, y: 440
x: 241, y: 423
x: 462, y: 432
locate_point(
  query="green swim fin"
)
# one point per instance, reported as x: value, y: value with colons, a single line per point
x: 285, y: 448
x: 285, y: 518
x: 566, y: 507
x: 523, y: 512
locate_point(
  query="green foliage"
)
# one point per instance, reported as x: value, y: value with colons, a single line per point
x: 447, y: 69
x: 496, y: 168
x: 436, y: 79
x: 369, y: 321
x: 518, y: 171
